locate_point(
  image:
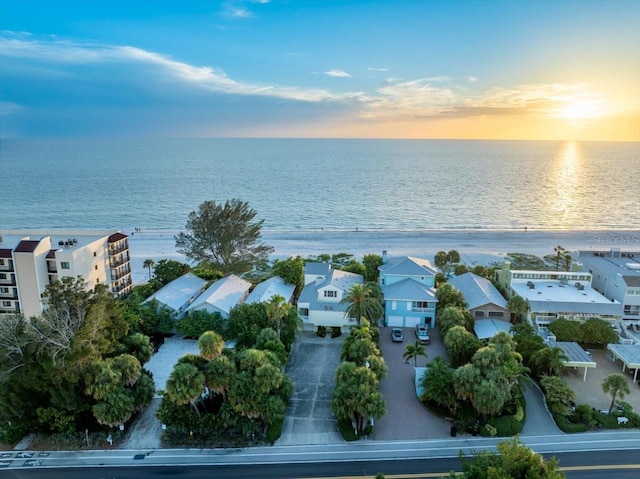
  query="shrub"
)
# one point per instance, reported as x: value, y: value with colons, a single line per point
x: 336, y: 331
x: 275, y: 430
x: 346, y: 430
x: 321, y: 331
x: 566, y: 426
x: 196, y: 323
x: 505, y: 425
x: 566, y: 330
x: 489, y: 430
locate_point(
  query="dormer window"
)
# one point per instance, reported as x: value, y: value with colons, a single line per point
x: 330, y: 294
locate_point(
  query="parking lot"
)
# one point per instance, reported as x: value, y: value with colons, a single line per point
x: 406, y: 418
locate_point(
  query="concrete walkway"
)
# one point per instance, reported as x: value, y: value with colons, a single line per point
x: 311, y: 367
x: 538, y: 421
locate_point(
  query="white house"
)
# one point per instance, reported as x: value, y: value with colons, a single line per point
x: 177, y: 295
x: 263, y: 292
x: 222, y: 296
x: 319, y: 301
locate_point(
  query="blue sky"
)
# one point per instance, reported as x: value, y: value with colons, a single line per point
x: 563, y: 69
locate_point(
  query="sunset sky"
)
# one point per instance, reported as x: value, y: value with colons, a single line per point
x: 495, y: 69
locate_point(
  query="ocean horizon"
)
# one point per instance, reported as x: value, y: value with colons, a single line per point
x: 310, y: 185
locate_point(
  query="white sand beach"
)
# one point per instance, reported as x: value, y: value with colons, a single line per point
x: 475, y: 247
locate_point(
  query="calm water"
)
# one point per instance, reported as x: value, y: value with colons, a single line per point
x: 312, y: 184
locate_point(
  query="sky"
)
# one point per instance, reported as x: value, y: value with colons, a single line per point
x: 465, y: 69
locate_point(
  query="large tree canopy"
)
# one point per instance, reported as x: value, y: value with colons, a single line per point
x: 226, y: 235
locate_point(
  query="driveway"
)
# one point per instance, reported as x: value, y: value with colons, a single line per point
x: 406, y: 418
x: 312, y: 366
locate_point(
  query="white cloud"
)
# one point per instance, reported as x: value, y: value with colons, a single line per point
x: 373, y: 69
x: 7, y: 107
x: 337, y: 73
x: 472, y: 79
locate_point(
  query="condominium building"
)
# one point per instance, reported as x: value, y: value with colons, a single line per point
x: 28, y: 263
x: 616, y: 274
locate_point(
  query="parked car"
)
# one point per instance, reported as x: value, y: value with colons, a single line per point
x: 396, y: 335
x: 422, y: 334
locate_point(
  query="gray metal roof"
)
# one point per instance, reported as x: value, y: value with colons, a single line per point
x: 408, y: 266
x: 409, y: 290
x: 222, y: 295
x: 576, y: 356
x: 477, y: 291
x: 264, y: 291
x: 488, y: 328
x: 178, y: 292
x: 342, y: 280
x: 627, y: 265
x: 560, y: 307
x: 321, y: 269
x: 629, y: 354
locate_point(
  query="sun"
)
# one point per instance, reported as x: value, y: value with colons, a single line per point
x: 581, y: 110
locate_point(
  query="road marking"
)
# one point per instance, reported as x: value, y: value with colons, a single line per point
x: 598, y: 467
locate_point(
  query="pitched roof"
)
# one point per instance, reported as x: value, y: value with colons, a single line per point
x: 51, y: 254
x: 408, y: 266
x: 342, y: 280
x: 267, y: 289
x: 409, y: 290
x: 560, y: 307
x: 179, y: 291
x: 223, y: 295
x: 317, y: 268
x: 488, y: 328
x: 477, y: 291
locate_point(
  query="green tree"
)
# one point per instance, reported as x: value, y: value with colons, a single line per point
x: 558, y: 393
x: 226, y: 234
x: 519, y: 308
x: 148, y: 263
x: 449, y: 296
x: 549, y: 360
x: 461, y: 345
x: 371, y: 263
x: 559, y: 253
x: 166, y: 270
x: 446, y: 260
x: 616, y: 385
x: 277, y: 309
x: 363, y: 301
x: 185, y: 385
x: 451, y: 316
x: 566, y: 330
x: 512, y: 460
x: 219, y: 375
x: 414, y: 351
x: 291, y: 270
x: 598, y: 331
x: 356, y: 396
x: 115, y: 408
x: 196, y: 323
x: 210, y: 345
x: 437, y: 384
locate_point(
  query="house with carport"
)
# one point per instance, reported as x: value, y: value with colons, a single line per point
x: 319, y: 303
x: 222, y: 296
x: 179, y: 294
x: 408, y: 289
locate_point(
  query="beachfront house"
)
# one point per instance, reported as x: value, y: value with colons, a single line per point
x: 179, y: 294
x: 319, y: 301
x: 29, y: 264
x: 222, y: 296
x: 482, y: 297
x: 555, y: 294
x: 408, y: 290
x: 263, y: 292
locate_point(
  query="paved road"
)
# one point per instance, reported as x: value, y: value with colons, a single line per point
x: 311, y: 367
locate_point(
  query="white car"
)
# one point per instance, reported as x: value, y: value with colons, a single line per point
x: 422, y: 334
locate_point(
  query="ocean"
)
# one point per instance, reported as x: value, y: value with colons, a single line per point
x: 307, y: 185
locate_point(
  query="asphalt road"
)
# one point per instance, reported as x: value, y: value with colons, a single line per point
x: 610, y: 464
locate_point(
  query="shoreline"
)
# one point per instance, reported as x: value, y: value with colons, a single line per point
x: 475, y: 247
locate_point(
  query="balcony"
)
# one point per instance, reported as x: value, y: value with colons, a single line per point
x: 118, y: 248
x: 115, y: 262
x: 9, y: 295
x: 117, y: 274
x: 415, y: 309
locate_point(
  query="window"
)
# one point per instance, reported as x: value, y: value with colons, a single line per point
x: 3, y: 276
x: 64, y: 264
x: 6, y: 304
x: 1, y: 262
x: 419, y: 305
x: 4, y: 290
x: 95, y: 254
x: 95, y: 267
x: 97, y: 280
x: 496, y: 314
x: 478, y: 314
x: 330, y: 294
x: 304, y: 311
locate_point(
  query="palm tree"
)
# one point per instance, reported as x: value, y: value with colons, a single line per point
x: 414, y: 351
x: 363, y: 301
x: 148, y: 263
x: 210, y: 345
x: 277, y: 310
x: 519, y: 308
x: 550, y: 360
x: 185, y: 384
x: 616, y: 385
x: 560, y: 252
